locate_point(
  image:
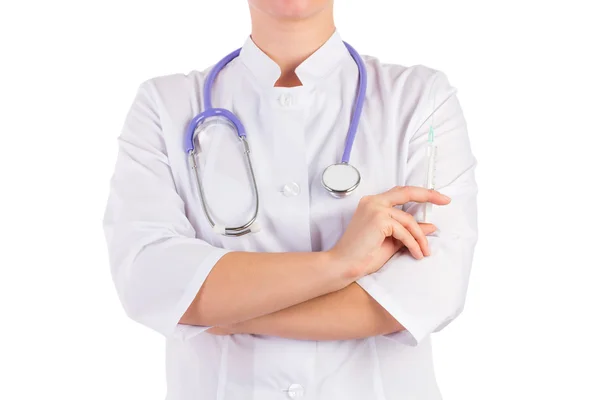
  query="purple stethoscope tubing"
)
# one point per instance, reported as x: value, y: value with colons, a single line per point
x: 358, y: 104
x: 241, y: 131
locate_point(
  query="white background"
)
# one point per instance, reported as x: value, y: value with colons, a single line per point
x: 527, y: 77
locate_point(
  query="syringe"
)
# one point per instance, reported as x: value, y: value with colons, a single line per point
x: 431, y: 158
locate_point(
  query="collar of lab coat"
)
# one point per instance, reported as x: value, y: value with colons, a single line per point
x: 316, y: 67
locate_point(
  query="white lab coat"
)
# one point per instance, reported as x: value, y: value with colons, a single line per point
x: 162, y: 248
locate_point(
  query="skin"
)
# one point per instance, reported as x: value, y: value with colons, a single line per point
x: 312, y: 296
x: 349, y: 313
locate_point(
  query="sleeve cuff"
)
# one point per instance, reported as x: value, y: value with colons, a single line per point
x: 172, y: 327
x: 416, y: 330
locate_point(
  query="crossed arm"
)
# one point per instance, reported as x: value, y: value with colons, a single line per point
x: 349, y: 313
x: 291, y: 295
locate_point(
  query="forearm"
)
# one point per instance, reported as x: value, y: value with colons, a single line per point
x: 349, y: 313
x: 246, y: 285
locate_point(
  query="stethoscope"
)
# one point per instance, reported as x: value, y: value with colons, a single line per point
x: 340, y: 179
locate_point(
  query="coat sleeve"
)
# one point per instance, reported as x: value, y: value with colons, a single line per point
x: 157, y: 262
x: 425, y: 295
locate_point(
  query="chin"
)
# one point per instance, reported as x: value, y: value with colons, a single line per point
x: 291, y: 9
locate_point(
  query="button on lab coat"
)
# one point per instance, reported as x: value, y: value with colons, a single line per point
x: 162, y: 247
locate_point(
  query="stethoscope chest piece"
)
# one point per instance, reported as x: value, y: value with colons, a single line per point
x: 340, y: 180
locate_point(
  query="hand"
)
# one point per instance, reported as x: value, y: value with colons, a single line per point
x: 378, y: 229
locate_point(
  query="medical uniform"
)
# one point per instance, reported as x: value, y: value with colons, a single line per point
x: 162, y: 247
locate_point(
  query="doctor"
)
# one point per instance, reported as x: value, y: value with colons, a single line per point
x: 326, y: 298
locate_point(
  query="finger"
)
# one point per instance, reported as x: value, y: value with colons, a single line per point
x: 427, y: 228
x: 404, y: 194
x: 409, y: 222
x: 402, y: 234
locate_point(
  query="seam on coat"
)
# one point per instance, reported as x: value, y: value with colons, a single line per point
x: 222, y: 369
x: 377, y: 382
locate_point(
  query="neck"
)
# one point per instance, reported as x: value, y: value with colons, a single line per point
x: 290, y: 42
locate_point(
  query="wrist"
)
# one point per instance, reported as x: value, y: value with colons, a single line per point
x: 342, y: 271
